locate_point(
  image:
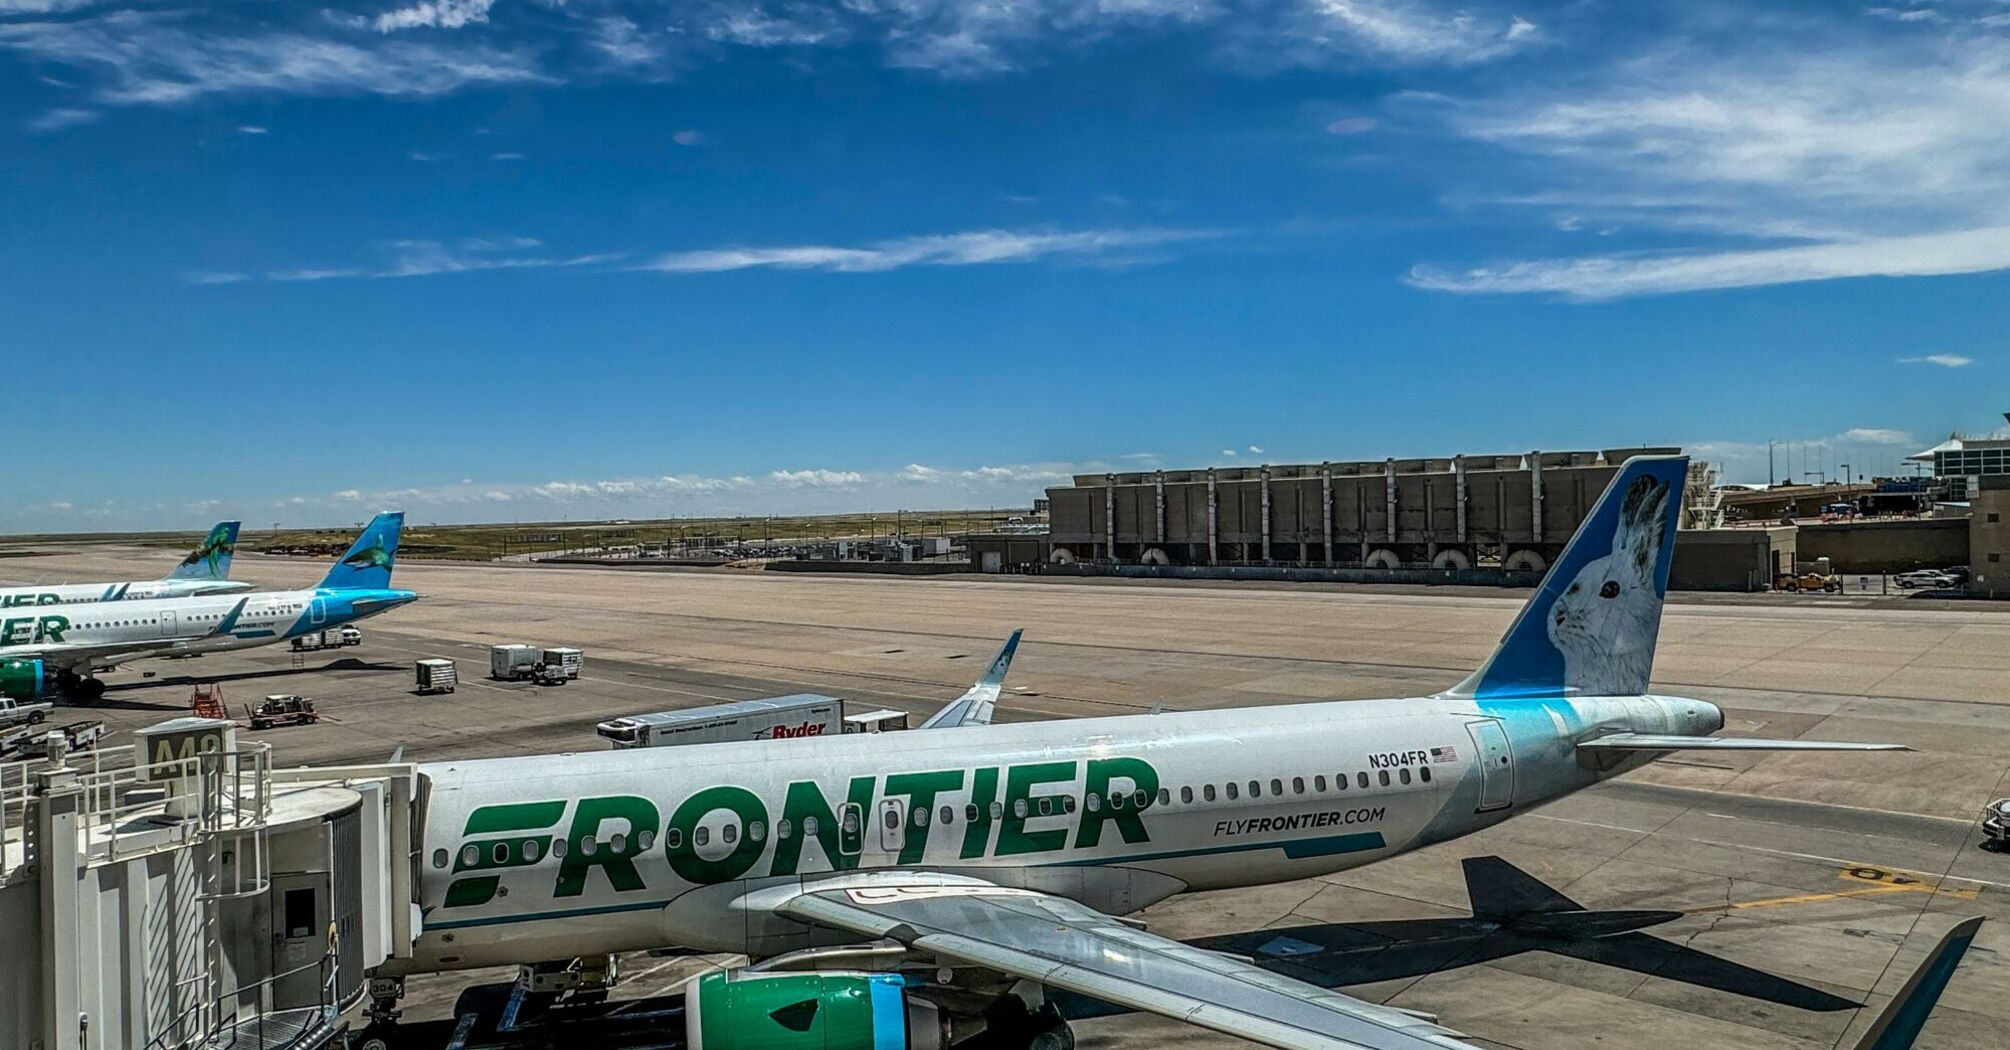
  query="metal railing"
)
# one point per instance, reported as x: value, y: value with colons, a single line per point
x: 218, y: 1020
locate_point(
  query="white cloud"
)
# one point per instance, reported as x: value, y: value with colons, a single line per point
x: 349, y: 494
x: 623, y: 43
x: 64, y: 117
x: 1256, y: 449
x: 1612, y: 276
x: 250, y: 129
x: 1229, y: 452
x: 917, y: 472
x: 215, y: 277
x: 1403, y: 32
x: 1875, y: 436
x: 200, y: 506
x: 155, y: 58
x: 505, y: 156
x: 1840, y: 155
x: 1943, y: 360
x: 687, y: 138
x: 442, y: 14
x: 954, y: 249
x: 420, y: 258
x: 816, y: 478
x: 1350, y: 125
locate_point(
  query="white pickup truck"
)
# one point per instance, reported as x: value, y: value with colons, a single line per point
x: 23, y: 712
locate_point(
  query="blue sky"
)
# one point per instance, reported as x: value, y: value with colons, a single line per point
x: 530, y: 259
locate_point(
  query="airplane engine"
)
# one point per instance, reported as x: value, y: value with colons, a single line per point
x: 24, y: 680
x: 823, y: 1010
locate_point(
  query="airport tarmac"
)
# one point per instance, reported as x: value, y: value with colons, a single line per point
x: 1833, y: 871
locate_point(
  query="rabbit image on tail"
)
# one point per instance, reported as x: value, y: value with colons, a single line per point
x: 1604, y: 623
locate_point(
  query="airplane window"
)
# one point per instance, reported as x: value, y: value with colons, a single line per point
x: 558, y: 848
x: 1185, y: 794
x: 1047, y: 805
x: 1116, y: 801
x: 701, y: 837
x: 948, y: 814
x: 1319, y: 783
x: 643, y: 840
x: 809, y: 826
x: 1165, y: 796
x: 439, y: 858
x: 588, y: 846
x: 673, y: 838
x: 1383, y: 775
x: 1207, y: 792
x: 530, y: 850
x: 892, y: 818
x: 1019, y: 808
x: 1276, y: 786
x: 1298, y: 785
x: 729, y: 834
x: 1095, y: 803
x: 848, y: 824
x: 1256, y: 789
x: 470, y: 856
x: 1403, y: 775
x: 1141, y: 798
x: 921, y: 816
x: 758, y: 831
x: 1068, y: 804
x: 500, y: 852
x: 1424, y: 773
x: 997, y: 810
x: 1361, y: 779
x: 784, y: 829
x: 970, y: 812
x: 619, y: 843
x: 1231, y: 790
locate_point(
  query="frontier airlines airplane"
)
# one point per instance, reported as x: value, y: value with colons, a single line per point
x: 908, y: 890
x: 206, y: 570
x: 64, y: 646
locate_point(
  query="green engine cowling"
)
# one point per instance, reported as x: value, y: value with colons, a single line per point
x: 814, y: 1010
x: 23, y: 680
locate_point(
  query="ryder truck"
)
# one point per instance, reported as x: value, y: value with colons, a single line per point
x: 774, y: 718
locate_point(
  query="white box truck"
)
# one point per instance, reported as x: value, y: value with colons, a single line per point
x: 568, y: 662
x: 333, y: 638
x: 773, y: 718
x: 513, y: 663
x: 436, y: 675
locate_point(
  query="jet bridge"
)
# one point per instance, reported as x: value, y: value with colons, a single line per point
x: 179, y: 893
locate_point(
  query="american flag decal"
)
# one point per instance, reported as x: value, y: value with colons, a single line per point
x: 1444, y: 754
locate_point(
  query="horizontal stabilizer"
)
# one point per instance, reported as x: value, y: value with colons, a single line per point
x: 1652, y: 742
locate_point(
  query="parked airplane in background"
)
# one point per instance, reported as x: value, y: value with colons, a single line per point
x: 73, y: 643
x: 206, y: 570
x: 909, y: 889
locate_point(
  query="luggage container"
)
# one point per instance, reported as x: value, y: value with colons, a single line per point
x: 436, y: 675
x: 513, y: 663
x: 567, y: 661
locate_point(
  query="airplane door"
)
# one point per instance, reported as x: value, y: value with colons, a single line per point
x: 1496, y: 764
x: 317, y: 611
x: 167, y: 624
x: 892, y: 826
x: 851, y: 833
x: 300, y: 913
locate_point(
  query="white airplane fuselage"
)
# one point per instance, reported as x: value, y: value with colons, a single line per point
x: 129, y: 591
x: 76, y: 637
x: 557, y: 856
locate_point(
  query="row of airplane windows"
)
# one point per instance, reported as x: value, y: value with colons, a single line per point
x: 192, y: 618
x: 1046, y: 806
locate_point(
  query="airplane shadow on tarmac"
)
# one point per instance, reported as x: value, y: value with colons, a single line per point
x: 347, y: 663
x: 1513, y: 913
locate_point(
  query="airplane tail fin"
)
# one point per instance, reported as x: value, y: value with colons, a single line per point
x: 1590, y: 628
x: 210, y: 560
x: 1500, y: 891
x: 1898, y: 1025
x: 368, y: 562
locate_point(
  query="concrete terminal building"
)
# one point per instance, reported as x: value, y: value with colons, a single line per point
x: 1511, y: 511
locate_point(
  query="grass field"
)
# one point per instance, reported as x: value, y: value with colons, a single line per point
x: 485, y: 542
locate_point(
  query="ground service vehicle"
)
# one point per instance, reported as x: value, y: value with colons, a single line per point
x: 772, y: 718
x: 23, y: 712
x: 436, y: 675
x: 76, y: 736
x: 1807, y: 581
x: 513, y: 663
x: 1996, y: 823
x: 283, y: 709
x: 1929, y: 578
x: 569, y: 662
x: 333, y: 638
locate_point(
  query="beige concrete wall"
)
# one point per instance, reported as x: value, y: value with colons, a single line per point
x: 1989, y: 539
x: 1887, y: 546
x: 1729, y: 559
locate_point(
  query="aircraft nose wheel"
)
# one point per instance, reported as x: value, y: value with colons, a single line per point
x: 1049, y: 1031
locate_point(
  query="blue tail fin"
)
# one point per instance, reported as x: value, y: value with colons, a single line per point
x: 1590, y: 629
x: 210, y: 560
x: 368, y: 563
x: 1899, y: 1025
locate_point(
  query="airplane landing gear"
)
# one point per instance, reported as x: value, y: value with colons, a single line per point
x: 79, y: 688
x: 381, y: 1033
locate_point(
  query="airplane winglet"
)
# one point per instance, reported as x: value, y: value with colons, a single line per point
x: 974, y: 707
x: 1898, y: 1025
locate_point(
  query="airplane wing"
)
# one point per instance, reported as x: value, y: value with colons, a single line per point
x: 1651, y: 742
x: 65, y: 656
x: 1061, y: 944
x: 974, y: 707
